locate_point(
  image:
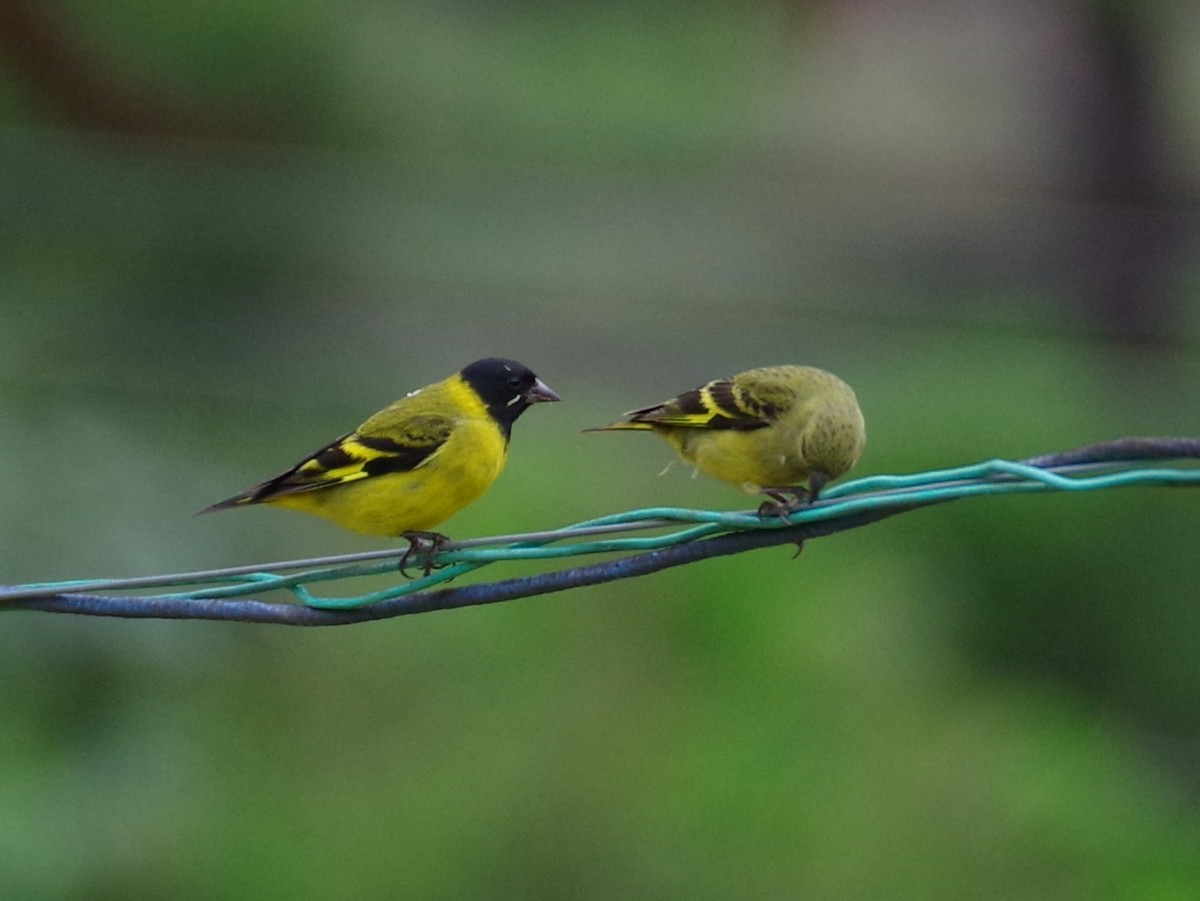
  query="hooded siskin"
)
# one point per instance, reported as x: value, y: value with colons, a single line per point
x: 416, y: 463
x: 764, y: 430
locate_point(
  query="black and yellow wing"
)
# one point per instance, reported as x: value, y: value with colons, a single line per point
x: 719, y: 404
x: 357, y: 455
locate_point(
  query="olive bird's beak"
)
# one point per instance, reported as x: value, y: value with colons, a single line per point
x: 539, y: 393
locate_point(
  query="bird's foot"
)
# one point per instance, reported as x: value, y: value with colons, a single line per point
x: 783, y: 502
x: 786, y: 500
x: 423, y: 548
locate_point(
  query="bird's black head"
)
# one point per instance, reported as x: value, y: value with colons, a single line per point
x: 507, y: 388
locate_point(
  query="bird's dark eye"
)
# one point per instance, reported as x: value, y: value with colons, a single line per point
x: 514, y: 381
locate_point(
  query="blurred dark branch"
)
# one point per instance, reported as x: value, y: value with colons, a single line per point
x: 1124, y: 261
x: 45, y: 54
x: 1109, y: 452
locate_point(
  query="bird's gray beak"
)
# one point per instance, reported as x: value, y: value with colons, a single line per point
x: 539, y: 393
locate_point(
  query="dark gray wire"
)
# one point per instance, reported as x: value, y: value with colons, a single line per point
x: 1090, y: 456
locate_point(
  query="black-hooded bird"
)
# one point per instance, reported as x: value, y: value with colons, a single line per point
x: 414, y: 464
x: 767, y: 431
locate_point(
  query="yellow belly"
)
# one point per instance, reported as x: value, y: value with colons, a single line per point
x: 745, y: 460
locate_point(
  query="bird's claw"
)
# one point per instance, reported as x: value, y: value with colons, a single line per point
x: 786, y: 500
x: 783, y: 502
x: 424, y: 547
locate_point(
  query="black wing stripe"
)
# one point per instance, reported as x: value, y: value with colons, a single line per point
x: 737, y: 425
x: 732, y: 407
x: 332, y: 457
x: 402, y: 459
x: 690, y: 402
x: 383, y: 444
x: 725, y: 399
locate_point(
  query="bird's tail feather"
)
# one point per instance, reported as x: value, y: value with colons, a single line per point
x: 622, y: 425
x: 237, y: 500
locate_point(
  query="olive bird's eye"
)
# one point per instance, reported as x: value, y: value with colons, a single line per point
x: 514, y: 381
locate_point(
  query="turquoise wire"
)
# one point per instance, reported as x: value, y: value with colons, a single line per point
x: 869, y: 493
x: 1039, y: 480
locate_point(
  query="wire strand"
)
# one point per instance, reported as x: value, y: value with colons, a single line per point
x: 686, y: 535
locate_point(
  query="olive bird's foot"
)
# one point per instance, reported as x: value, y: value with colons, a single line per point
x: 783, y: 502
x: 786, y: 500
x: 423, y: 548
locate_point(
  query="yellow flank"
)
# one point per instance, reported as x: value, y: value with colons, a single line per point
x: 769, y: 428
x: 415, y: 463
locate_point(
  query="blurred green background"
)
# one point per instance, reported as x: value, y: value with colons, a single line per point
x: 230, y: 231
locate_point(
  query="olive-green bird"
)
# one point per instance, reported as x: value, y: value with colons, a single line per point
x: 414, y: 464
x: 766, y: 430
